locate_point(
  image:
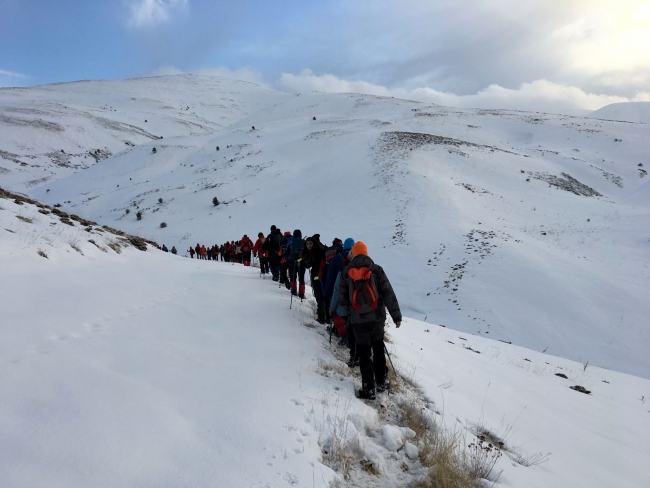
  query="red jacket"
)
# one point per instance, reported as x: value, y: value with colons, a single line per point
x: 257, y: 249
x: 246, y: 242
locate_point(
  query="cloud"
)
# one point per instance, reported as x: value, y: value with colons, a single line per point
x: 151, y: 12
x: 11, y: 78
x: 539, y: 95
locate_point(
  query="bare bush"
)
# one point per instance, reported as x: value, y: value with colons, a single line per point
x: 163, y: 225
x: 40, y: 252
x: 25, y: 219
x: 74, y: 244
x: 529, y: 460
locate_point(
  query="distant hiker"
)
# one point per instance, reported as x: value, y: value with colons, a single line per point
x: 272, y: 245
x: 197, y: 249
x: 174, y: 250
x: 313, y: 257
x: 293, y: 259
x: 164, y: 248
x: 246, y: 246
x: 191, y: 251
x: 262, y: 253
x: 204, y: 253
x: 209, y: 253
x: 365, y: 292
x: 285, y: 253
x: 330, y: 253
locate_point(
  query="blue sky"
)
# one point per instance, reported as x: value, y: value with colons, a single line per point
x: 453, y: 51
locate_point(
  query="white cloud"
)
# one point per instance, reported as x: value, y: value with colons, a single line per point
x: 539, y: 95
x: 11, y: 78
x: 11, y: 74
x: 151, y: 12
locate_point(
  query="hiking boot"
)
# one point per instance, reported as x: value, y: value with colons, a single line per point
x: 383, y: 387
x: 294, y: 293
x: 301, y: 296
x: 353, y: 362
x: 343, y: 341
x: 367, y: 393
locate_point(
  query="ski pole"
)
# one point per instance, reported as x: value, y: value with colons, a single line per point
x: 331, y: 329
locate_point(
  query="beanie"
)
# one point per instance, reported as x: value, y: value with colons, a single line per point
x: 273, y: 227
x: 347, y: 245
x: 359, y: 248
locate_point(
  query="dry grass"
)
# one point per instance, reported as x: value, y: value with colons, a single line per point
x: 40, y: 252
x: 74, y: 244
x: 529, y: 460
x: 339, y: 450
x: 115, y: 246
x: 444, y: 455
x: 335, y: 366
x: 25, y: 219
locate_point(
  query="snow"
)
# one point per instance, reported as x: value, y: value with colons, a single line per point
x: 636, y: 112
x: 147, y: 368
x: 468, y: 241
x: 128, y: 368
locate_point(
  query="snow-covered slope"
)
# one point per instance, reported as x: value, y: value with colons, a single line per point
x: 637, y: 112
x: 524, y: 227
x: 47, y: 132
x: 148, y: 369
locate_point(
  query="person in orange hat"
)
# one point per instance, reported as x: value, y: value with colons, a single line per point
x: 365, y: 293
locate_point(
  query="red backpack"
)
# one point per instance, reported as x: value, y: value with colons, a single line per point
x: 363, y: 289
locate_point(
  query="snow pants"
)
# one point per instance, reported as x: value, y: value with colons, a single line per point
x: 370, y: 347
x: 246, y: 257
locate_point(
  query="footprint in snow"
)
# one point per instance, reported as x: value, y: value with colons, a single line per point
x: 297, y: 402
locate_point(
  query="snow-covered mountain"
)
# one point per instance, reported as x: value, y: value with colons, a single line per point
x: 637, y: 112
x: 523, y: 227
x: 120, y: 367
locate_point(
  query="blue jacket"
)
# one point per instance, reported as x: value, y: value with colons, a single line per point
x: 336, y: 265
x: 334, y: 304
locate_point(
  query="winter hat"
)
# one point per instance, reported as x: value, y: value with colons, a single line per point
x: 287, y: 233
x: 273, y: 227
x: 359, y: 248
x: 347, y: 245
x: 260, y: 234
x: 297, y: 234
x: 337, y: 242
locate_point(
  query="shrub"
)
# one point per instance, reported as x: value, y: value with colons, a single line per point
x: 160, y: 200
x: 138, y: 215
x: 215, y: 201
x: 163, y: 225
x: 127, y: 211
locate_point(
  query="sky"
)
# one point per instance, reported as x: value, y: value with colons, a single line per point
x: 532, y: 55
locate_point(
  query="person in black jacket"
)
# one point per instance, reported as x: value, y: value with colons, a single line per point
x: 312, y: 258
x: 366, y: 293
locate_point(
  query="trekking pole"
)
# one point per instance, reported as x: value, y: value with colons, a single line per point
x: 293, y: 265
x: 391, y: 364
x: 331, y: 329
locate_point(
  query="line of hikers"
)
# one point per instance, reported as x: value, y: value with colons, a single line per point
x: 230, y: 252
x: 351, y: 291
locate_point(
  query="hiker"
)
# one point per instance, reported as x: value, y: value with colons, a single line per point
x: 164, y: 248
x: 209, y: 253
x: 365, y: 293
x: 191, y: 251
x: 261, y: 253
x: 197, y: 249
x: 330, y: 253
x: 312, y: 259
x: 174, y: 250
x: 272, y: 245
x: 285, y: 252
x: 297, y: 246
x: 246, y: 246
x: 339, y: 316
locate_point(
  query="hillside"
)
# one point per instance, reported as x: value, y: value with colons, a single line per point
x: 635, y: 112
x: 523, y: 227
x: 130, y: 368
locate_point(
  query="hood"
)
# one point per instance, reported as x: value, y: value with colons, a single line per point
x: 360, y: 261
